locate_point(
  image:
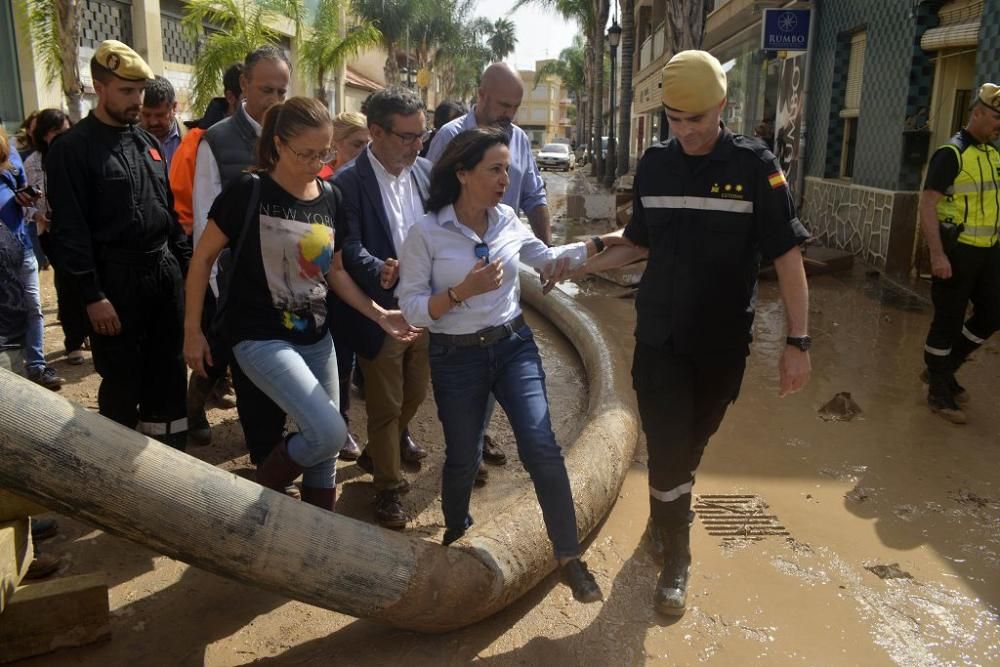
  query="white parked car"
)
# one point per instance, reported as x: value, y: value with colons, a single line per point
x: 556, y: 156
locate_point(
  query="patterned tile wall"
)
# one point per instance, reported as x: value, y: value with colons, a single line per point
x: 177, y: 46
x: 897, y: 78
x: 876, y: 225
x: 987, y: 60
x: 105, y: 19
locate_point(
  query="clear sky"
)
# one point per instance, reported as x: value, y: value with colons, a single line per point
x: 541, y: 33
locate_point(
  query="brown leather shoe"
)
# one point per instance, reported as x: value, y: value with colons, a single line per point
x: 350, y: 451
x: 409, y: 450
x: 492, y: 452
x: 322, y: 498
x: 389, y: 510
x: 43, y: 565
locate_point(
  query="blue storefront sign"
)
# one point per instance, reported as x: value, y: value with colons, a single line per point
x: 785, y: 30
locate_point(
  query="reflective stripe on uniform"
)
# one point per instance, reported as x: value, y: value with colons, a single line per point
x: 162, y: 428
x: 673, y: 494
x: 964, y: 188
x: 699, y: 204
x: 937, y: 352
x: 973, y: 337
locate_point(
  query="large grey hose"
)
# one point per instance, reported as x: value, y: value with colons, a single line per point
x: 83, y: 465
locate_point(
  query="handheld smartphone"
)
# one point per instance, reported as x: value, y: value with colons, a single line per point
x: 30, y: 190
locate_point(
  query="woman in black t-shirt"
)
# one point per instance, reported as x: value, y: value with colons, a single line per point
x: 284, y: 233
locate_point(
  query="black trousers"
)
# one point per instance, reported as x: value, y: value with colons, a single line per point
x: 976, y: 278
x: 143, y: 374
x: 682, y: 400
x: 71, y: 310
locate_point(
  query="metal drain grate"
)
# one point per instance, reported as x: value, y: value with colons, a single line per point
x: 737, y: 517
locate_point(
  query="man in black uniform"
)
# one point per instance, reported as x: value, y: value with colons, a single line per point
x: 708, y: 204
x: 115, y: 231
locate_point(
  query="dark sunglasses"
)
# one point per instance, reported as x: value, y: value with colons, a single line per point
x: 482, y: 252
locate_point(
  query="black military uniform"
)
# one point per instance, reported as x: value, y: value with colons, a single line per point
x: 115, y: 231
x: 706, y: 221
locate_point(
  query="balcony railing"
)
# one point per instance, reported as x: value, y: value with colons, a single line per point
x: 653, y: 47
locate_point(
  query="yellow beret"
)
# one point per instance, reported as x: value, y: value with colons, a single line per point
x: 989, y: 94
x: 693, y: 81
x: 122, y: 61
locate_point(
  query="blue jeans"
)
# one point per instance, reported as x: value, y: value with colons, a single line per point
x: 302, y: 380
x: 511, y: 369
x: 34, y: 339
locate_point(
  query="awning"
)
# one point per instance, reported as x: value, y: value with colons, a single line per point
x: 356, y: 80
x: 952, y: 36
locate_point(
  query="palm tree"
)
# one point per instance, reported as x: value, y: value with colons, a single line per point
x: 55, y: 35
x: 570, y: 70
x: 325, y: 48
x: 393, y: 18
x: 625, y: 121
x: 243, y: 30
x: 463, y: 55
x: 503, y: 39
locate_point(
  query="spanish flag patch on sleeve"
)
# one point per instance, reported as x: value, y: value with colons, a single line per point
x: 777, y: 180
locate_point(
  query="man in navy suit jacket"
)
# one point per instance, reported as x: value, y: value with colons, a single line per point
x: 384, y: 192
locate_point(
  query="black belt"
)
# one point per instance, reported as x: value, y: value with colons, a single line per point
x: 483, y: 337
x: 132, y: 257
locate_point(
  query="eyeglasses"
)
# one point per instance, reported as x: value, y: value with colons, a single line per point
x: 409, y: 138
x: 325, y: 156
x: 482, y: 252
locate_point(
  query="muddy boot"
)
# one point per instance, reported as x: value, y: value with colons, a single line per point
x: 671, y: 589
x: 322, y: 498
x: 222, y: 396
x: 199, y: 433
x: 958, y: 392
x: 941, y: 399
x: 278, y: 471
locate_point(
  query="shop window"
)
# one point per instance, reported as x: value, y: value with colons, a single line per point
x: 963, y: 100
x: 851, y: 111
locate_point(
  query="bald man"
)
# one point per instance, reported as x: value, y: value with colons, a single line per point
x: 500, y: 94
x: 499, y: 97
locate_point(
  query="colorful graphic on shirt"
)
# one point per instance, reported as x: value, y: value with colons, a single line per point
x: 297, y: 256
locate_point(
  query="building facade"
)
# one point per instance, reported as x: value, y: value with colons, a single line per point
x: 889, y: 82
x: 544, y: 112
x: 651, y: 54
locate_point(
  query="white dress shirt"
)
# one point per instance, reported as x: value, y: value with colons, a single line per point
x: 440, y: 252
x: 207, y: 186
x: 402, y: 201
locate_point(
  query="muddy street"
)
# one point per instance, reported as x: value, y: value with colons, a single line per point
x: 870, y: 540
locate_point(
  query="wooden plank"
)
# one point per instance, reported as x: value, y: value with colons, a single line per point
x: 15, y: 557
x: 62, y: 613
x: 15, y: 507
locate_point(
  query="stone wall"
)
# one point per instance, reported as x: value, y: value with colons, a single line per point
x: 878, y: 226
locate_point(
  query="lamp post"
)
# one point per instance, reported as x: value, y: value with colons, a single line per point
x: 610, y: 162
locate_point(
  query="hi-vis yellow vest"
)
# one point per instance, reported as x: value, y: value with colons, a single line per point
x: 973, y: 199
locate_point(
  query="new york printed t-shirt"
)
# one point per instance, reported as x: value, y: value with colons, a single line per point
x: 278, y: 286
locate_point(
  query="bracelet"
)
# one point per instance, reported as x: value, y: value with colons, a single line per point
x: 599, y: 244
x: 453, y: 297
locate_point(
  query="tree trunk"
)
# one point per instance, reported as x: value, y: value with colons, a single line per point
x: 391, y: 66
x: 686, y: 23
x: 625, y: 121
x: 598, y: 65
x: 588, y: 126
x: 69, y: 38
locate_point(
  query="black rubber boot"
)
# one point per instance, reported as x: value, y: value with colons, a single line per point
x: 199, y: 432
x: 671, y: 589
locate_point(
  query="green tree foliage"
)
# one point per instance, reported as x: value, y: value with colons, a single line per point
x: 327, y: 46
x: 243, y: 29
x: 55, y: 37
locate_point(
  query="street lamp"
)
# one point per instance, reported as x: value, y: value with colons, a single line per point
x: 610, y: 162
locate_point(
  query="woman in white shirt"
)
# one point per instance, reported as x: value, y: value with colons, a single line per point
x: 458, y: 278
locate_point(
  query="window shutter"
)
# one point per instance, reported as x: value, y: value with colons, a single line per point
x: 855, y: 74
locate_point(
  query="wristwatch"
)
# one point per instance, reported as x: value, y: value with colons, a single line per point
x: 801, y: 342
